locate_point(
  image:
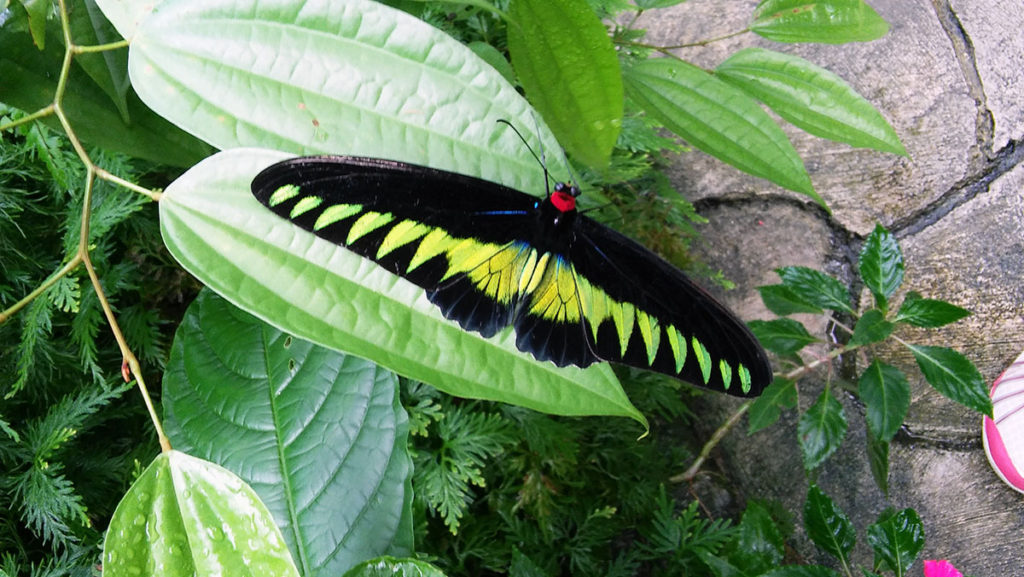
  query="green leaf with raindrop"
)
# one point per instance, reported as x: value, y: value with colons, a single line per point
x: 184, y: 516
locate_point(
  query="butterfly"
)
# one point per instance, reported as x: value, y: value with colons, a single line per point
x: 575, y: 291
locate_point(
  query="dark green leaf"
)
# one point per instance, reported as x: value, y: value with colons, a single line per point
x: 184, y: 516
x: 719, y: 119
x: 810, y: 97
x: 886, y: 396
x: 801, y: 571
x: 523, y: 566
x: 954, y: 376
x: 881, y: 265
x: 37, y: 11
x: 821, y: 430
x: 928, y: 313
x: 781, y: 394
x: 573, y: 79
x: 826, y: 21
x: 816, y: 288
x: 782, y: 301
x: 30, y: 81
x: 878, y: 459
x: 320, y: 436
x: 392, y: 567
x: 108, y: 69
x: 760, y: 545
x: 782, y: 336
x: 827, y: 525
x: 871, y: 328
x: 897, y: 541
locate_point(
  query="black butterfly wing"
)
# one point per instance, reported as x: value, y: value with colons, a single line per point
x: 458, y: 237
x: 642, y: 311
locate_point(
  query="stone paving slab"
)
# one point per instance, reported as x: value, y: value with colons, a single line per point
x: 949, y: 76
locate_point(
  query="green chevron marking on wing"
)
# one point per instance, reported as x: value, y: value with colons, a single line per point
x: 703, y: 359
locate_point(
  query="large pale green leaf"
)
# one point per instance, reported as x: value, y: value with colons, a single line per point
x: 338, y: 76
x: 28, y: 80
x: 319, y: 435
x: 324, y: 293
x: 719, y: 119
x: 184, y: 517
x: 810, y: 97
x: 573, y: 79
x: 826, y: 21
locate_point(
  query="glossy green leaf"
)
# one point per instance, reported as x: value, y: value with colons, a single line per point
x: 392, y: 567
x: 885, y: 392
x: 928, y: 313
x: 324, y: 293
x: 878, y: 461
x: 30, y: 82
x: 719, y: 119
x: 801, y: 571
x: 881, y: 265
x: 825, y: 21
x: 37, y: 11
x: 184, y: 517
x: 334, y: 77
x: 816, y: 287
x: 573, y: 78
x: 108, y: 69
x: 897, y: 541
x: 320, y: 436
x: 765, y: 411
x: 821, y: 430
x: 871, y: 327
x: 954, y: 376
x: 782, y: 301
x: 760, y: 545
x: 781, y: 336
x: 810, y: 97
x: 827, y: 525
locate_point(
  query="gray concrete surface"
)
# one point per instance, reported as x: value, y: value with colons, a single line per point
x: 949, y: 76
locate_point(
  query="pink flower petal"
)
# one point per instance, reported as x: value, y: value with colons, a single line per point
x: 941, y: 568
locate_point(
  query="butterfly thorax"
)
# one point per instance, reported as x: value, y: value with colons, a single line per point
x: 555, y: 220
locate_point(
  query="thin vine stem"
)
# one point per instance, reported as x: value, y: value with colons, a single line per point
x: 82, y: 256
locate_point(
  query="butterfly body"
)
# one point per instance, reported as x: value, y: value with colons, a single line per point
x: 488, y: 256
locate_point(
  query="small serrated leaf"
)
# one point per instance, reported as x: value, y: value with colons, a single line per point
x: 782, y: 301
x: 878, y: 459
x: 810, y: 97
x: 782, y: 336
x: 821, y: 430
x: 954, y: 376
x: 881, y: 265
x: 886, y: 396
x: 816, y: 287
x: 928, y: 313
x: 825, y: 21
x: 827, y: 525
x: 897, y: 540
x: 779, y: 395
x: 871, y: 327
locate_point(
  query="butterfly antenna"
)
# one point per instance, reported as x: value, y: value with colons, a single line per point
x: 539, y: 159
